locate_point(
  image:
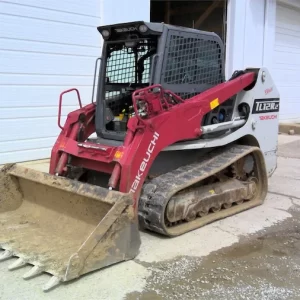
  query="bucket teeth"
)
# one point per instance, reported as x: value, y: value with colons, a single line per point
x: 5, y: 255
x: 35, y: 270
x: 18, y: 263
x: 54, y: 281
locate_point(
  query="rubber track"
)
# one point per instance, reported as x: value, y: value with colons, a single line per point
x: 157, y: 192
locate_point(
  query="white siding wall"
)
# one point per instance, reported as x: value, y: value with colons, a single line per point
x: 250, y: 34
x: 287, y: 61
x: 122, y: 11
x: 265, y: 33
x: 45, y: 48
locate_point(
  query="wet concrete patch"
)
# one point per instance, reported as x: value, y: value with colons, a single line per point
x: 265, y: 265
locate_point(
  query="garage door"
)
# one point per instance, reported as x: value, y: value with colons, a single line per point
x: 45, y: 47
x: 287, y: 61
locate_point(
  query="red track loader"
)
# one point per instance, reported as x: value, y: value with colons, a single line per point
x: 168, y: 146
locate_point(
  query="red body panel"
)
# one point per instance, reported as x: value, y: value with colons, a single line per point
x: 165, y: 124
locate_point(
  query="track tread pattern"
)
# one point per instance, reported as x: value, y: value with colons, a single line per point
x: 157, y: 192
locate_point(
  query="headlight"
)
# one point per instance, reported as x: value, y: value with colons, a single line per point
x: 143, y: 28
x: 105, y: 33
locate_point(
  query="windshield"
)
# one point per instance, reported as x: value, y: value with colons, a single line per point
x: 128, y: 65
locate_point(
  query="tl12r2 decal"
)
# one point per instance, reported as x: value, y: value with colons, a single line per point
x: 262, y: 106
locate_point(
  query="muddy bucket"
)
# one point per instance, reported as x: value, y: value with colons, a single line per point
x: 61, y: 226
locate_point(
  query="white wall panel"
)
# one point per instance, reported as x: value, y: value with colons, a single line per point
x: 45, y: 47
x: 45, y: 95
x: 25, y: 79
x: 34, y: 62
x: 116, y: 11
x: 88, y: 8
x: 247, y: 33
x: 287, y: 61
x: 26, y: 28
x: 29, y: 128
x: 267, y: 33
x: 33, y: 112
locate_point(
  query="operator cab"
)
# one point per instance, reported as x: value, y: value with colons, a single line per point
x: 138, y: 54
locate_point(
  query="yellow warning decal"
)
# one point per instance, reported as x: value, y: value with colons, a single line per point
x: 118, y: 154
x: 62, y: 145
x: 214, y: 103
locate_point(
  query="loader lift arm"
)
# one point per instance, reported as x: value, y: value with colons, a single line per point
x: 149, y: 132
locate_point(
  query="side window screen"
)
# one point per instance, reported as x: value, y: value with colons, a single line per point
x: 125, y: 63
x: 128, y: 67
x: 192, y: 61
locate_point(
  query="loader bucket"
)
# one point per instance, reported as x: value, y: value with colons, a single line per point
x: 61, y: 226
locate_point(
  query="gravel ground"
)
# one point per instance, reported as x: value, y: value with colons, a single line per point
x: 265, y: 265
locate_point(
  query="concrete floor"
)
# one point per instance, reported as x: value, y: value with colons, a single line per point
x: 252, y: 255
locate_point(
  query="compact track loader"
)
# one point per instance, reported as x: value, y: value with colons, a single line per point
x: 168, y: 146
